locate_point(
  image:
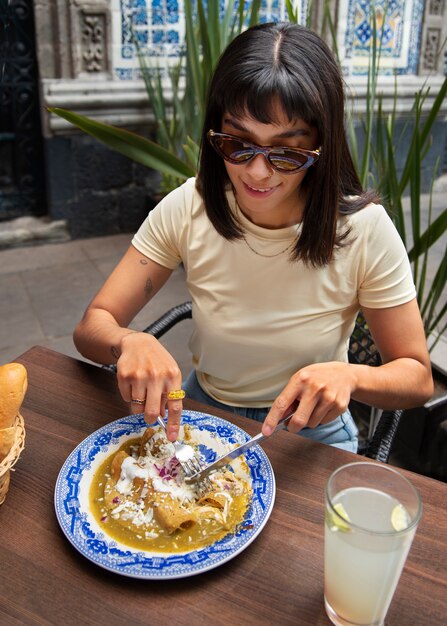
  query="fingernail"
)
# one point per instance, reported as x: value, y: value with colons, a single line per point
x: 267, y: 430
x: 173, y: 433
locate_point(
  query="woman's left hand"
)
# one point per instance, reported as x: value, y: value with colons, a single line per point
x: 319, y: 393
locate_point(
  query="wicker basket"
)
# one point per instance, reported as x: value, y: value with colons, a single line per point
x: 11, y: 459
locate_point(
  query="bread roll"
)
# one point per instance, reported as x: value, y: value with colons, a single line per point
x: 13, y: 386
x: 7, y: 437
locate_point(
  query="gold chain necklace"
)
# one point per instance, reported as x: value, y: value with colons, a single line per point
x: 266, y: 256
x: 269, y: 256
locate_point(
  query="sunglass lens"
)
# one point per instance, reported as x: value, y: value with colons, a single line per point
x: 287, y: 161
x: 234, y: 150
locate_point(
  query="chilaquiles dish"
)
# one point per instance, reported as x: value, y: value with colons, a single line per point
x: 139, y: 497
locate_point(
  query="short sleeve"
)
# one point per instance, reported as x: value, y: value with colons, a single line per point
x: 386, y: 279
x: 160, y: 234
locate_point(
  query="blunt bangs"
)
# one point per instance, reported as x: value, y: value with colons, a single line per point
x: 274, y: 63
x: 257, y: 94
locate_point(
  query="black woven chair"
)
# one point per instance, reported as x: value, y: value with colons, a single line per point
x: 361, y: 350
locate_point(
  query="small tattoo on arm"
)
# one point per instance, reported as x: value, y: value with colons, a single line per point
x: 115, y: 350
x: 148, y: 287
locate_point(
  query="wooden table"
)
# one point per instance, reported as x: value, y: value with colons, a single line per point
x: 278, y: 579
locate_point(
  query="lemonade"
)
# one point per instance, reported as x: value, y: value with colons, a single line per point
x: 366, y: 545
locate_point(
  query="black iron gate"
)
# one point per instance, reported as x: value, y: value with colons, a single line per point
x: 21, y: 151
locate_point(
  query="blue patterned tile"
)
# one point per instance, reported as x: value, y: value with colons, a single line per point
x: 398, y: 21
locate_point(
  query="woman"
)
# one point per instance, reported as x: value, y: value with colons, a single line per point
x: 281, y: 247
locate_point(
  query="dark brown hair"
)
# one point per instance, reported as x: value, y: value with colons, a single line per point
x: 293, y: 64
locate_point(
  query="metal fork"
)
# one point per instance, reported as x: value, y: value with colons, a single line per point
x: 189, y: 461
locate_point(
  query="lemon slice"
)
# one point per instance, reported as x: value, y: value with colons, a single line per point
x: 338, y: 524
x: 399, y: 518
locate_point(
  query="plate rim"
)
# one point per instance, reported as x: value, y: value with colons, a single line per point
x: 138, y: 418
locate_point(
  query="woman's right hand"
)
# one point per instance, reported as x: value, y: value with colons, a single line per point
x: 146, y: 371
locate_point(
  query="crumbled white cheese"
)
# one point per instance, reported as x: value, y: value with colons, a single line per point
x: 159, y: 469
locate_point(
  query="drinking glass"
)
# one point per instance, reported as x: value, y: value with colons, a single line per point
x: 372, y: 512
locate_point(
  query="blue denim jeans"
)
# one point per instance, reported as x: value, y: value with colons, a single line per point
x: 341, y: 432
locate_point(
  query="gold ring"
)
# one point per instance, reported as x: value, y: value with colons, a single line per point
x: 138, y: 401
x: 179, y: 394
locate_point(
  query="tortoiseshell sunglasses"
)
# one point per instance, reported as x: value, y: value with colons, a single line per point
x: 283, y: 159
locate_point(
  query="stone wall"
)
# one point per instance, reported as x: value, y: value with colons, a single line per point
x: 98, y: 191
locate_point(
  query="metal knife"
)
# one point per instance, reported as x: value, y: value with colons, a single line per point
x: 230, y: 456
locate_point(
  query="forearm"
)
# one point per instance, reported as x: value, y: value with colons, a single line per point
x: 98, y: 336
x: 400, y: 384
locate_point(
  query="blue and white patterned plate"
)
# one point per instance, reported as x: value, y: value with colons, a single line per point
x: 82, y: 530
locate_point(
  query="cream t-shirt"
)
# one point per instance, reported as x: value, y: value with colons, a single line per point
x: 258, y: 320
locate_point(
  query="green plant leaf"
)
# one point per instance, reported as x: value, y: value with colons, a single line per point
x: 228, y: 21
x: 436, y: 328
x: 192, y: 151
x: 392, y: 186
x: 254, y: 12
x: 292, y: 12
x: 435, y: 292
x: 129, y: 144
x: 426, y: 129
x: 209, y: 34
x: 328, y: 21
x: 193, y: 53
x: 433, y: 232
